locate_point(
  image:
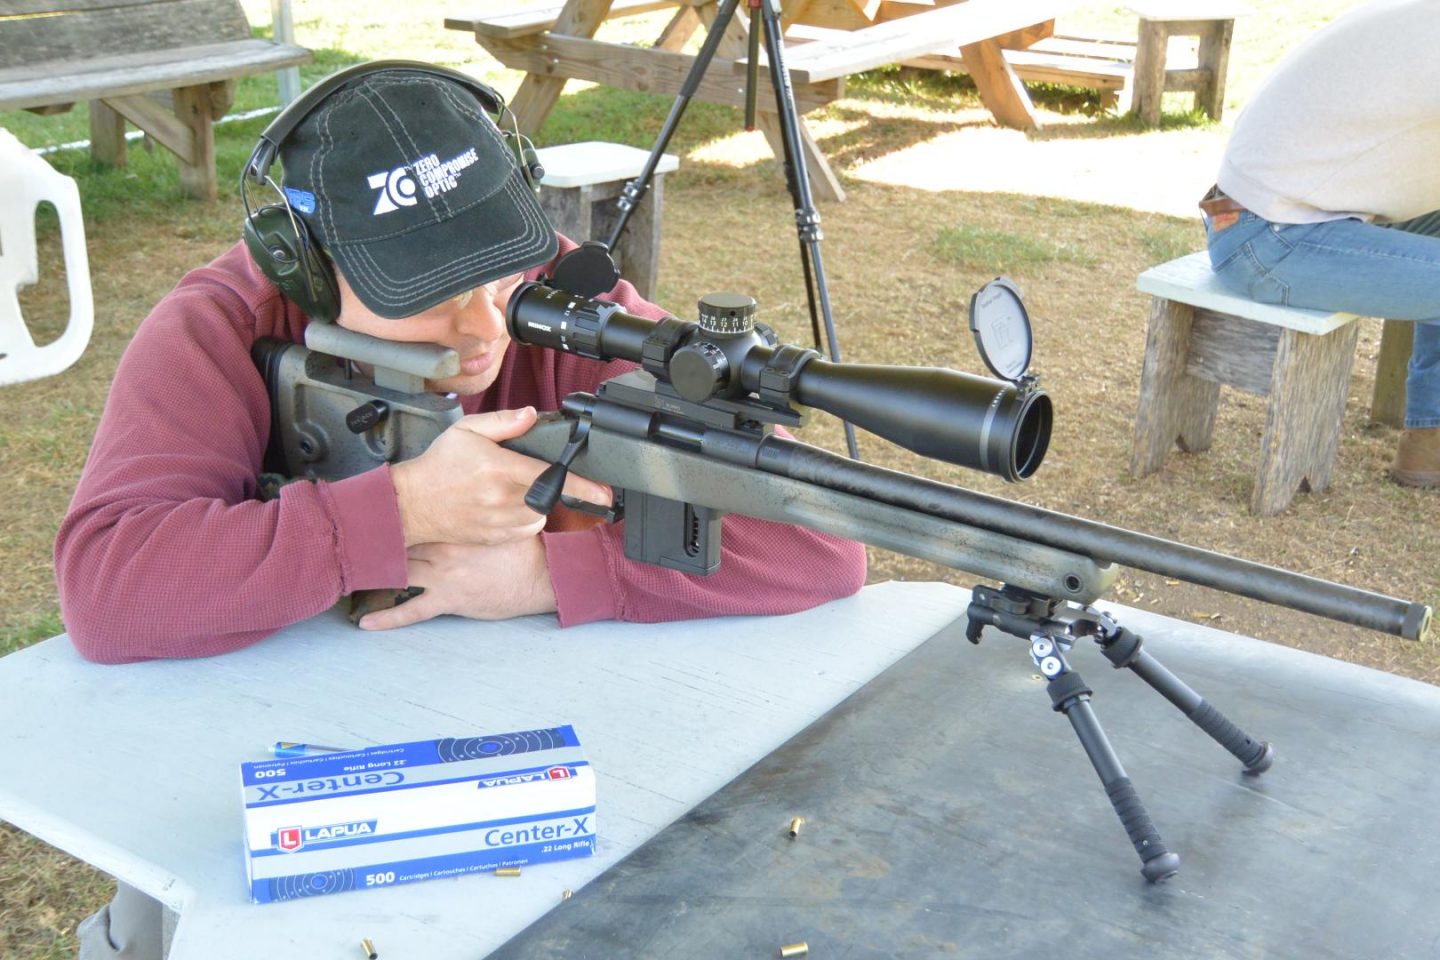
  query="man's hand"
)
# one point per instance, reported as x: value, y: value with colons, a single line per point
x: 467, y: 489
x: 492, y: 582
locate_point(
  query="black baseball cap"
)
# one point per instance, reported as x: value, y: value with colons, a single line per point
x: 409, y: 186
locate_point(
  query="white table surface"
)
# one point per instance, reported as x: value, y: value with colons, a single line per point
x: 135, y: 769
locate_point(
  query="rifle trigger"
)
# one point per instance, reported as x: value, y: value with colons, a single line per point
x: 608, y: 514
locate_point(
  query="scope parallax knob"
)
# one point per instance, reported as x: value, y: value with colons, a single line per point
x: 727, y: 314
x: 699, y: 370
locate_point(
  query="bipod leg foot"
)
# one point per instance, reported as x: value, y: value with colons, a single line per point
x: 1123, y: 649
x: 1069, y: 695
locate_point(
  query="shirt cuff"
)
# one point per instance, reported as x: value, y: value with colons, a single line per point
x: 580, y: 577
x: 368, y: 533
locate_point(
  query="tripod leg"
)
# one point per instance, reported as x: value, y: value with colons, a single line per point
x: 1123, y: 648
x: 635, y: 190
x: 1070, y: 696
x: 807, y: 218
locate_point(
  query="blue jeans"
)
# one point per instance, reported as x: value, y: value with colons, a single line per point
x: 1390, y: 271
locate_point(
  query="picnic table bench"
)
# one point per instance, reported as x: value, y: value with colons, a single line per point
x: 1131, y: 74
x: 119, y: 54
x: 556, y: 44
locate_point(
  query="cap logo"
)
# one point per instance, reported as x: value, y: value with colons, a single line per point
x: 397, y: 188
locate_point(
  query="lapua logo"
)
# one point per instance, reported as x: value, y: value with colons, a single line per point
x: 290, y: 839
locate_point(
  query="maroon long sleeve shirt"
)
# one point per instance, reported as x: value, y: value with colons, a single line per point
x: 166, y: 552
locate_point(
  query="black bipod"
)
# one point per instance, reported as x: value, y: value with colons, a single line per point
x: 1052, y: 627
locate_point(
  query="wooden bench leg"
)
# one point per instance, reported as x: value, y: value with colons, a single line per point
x: 678, y: 31
x: 536, y: 95
x: 1388, y: 403
x: 1149, y: 82
x: 188, y: 133
x: 1175, y: 406
x: 1214, y: 61
x: 1000, y: 89
x: 534, y: 99
x: 1308, y: 386
x: 197, y: 171
x: 107, y: 134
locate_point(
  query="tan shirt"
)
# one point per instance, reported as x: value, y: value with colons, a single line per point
x: 1348, y: 124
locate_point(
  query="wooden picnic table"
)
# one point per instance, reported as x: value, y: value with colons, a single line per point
x: 830, y: 40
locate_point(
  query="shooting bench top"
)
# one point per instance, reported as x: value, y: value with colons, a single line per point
x: 665, y: 713
x: 555, y: 44
x: 940, y: 790
x: 119, y: 54
x: 1202, y: 336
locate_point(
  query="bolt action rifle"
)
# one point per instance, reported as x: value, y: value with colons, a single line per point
x: 688, y: 437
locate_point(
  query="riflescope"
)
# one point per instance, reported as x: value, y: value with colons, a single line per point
x: 995, y: 426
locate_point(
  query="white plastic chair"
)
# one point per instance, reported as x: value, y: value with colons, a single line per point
x: 26, y: 180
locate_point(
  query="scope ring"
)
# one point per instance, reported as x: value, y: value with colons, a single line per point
x: 777, y: 377
x: 659, y: 345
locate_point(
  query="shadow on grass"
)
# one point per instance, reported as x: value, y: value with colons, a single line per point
x: 636, y: 119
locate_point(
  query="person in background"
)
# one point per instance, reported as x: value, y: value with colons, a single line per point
x: 1328, y: 195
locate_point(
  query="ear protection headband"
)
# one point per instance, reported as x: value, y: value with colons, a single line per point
x: 279, y: 241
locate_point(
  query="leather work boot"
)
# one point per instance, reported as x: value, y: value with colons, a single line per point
x: 1417, y: 459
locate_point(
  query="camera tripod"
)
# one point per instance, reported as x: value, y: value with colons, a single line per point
x: 1052, y: 627
x: 764, y: 13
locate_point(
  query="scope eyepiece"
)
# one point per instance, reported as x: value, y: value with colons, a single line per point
x: 990, y: 425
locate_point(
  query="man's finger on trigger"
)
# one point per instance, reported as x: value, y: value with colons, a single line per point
x: 580, y: 488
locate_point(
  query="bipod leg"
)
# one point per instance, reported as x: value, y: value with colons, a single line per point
x: 1124, y: 649
x: 1069, y: 695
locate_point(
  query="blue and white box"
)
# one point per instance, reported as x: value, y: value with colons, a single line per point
x: 415, y: 811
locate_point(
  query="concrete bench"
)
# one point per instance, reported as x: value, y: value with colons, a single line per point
x: 118, y: 55
x: 579, y: 191
x: 1202, y: 336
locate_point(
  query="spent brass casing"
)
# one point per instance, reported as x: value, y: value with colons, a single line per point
x: 795, y: 949
x: 507, y: 871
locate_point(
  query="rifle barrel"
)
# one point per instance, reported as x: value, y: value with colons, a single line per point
x: 1100, y: 542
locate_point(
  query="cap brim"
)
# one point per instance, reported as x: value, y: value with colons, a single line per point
x: 408, y: 273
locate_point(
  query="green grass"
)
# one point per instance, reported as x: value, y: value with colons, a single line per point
x: 14, y: 638
x: 997, y: 251
x: 1164, y: 245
